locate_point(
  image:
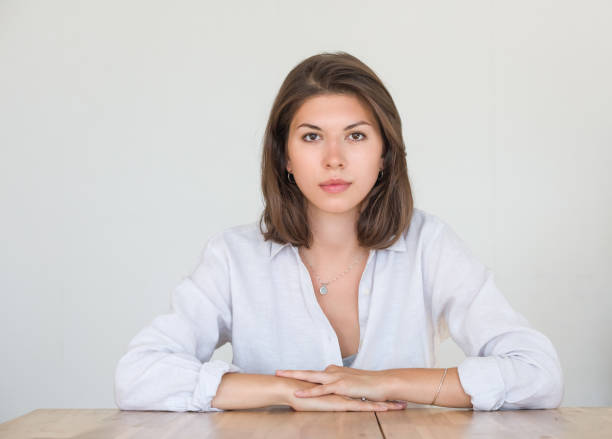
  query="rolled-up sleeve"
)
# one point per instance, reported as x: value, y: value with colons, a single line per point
x: 508, y: 364
x: 167, y: 364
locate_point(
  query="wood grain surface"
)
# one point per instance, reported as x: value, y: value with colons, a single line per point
x: 282, y: 421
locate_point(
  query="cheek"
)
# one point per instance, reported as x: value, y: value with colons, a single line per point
x: 369, y: 163
x: 304, y: 163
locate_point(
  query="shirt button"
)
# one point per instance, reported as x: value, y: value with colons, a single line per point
x: 366, y: 291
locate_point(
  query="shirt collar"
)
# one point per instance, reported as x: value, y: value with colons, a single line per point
x: 398, y: 246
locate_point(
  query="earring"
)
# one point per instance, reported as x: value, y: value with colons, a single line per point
x: 289, y: 179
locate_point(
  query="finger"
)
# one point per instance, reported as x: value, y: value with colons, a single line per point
x: 314, y: 391
x: 305, y: 375
x: 371, y: 406
x: 379, y: 406
x: 396, y: 405
x: 390, y: 405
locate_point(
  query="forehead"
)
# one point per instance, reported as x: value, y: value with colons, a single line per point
x: 329, y: 109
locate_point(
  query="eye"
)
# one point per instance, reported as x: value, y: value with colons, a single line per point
x: 306, y: 137
x: 357, y: 133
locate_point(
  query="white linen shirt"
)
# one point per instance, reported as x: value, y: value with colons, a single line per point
x: 258, y: 296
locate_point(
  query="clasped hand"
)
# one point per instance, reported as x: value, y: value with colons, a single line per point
x: 341, y: 388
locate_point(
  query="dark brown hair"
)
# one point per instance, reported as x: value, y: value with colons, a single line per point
x: 388, y: 206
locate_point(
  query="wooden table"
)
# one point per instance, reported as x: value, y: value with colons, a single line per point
x: 282, y: 421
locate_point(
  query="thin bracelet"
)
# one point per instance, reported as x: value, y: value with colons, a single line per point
x: 439, y: 387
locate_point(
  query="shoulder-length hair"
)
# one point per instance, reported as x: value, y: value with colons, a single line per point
x: 387, y: 209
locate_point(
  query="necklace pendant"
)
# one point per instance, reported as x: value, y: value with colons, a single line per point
x: 323, y: 289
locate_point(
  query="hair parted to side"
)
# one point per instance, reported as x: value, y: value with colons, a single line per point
x: 387, y: 209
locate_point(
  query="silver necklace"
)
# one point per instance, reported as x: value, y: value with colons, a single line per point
x: 323, y: 285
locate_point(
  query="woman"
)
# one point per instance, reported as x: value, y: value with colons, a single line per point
x: 342, y: 289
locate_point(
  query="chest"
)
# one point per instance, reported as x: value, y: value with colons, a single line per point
x: 276, y: 324
x: 340, y: 306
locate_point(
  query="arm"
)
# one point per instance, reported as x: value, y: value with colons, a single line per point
x: 420, y: 386
x: 508, y: 364
x: 243, y: 391
x: 167, y: 365
x: 415, y: 385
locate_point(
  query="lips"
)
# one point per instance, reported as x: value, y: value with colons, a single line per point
x: 334, y: 181
x: 335, y: 186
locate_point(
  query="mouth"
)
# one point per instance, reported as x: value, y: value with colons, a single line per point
x: 334, y: 181
x: 335, y: 187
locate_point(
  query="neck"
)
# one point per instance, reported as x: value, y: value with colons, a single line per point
x: 334, y: 233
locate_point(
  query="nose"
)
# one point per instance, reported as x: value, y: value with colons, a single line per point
x: 334, y: 155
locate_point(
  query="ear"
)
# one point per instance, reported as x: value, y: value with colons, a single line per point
x: 288, y: 167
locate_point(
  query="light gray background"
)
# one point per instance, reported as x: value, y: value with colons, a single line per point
x: 131, y: 131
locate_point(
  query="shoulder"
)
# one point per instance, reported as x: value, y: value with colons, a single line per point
x: 429, y: 236
x: 242, y: 239
x: 439, y: 243
x: 424, y: 227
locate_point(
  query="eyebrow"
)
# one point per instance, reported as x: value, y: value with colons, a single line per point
x: 348, y: 127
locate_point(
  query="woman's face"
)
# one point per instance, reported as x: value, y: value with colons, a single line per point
x: 334, y: 136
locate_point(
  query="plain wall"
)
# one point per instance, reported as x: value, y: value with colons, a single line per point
x: 130, y: 131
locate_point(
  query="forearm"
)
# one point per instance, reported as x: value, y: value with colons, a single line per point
x: 245, y: 391
x: 419, y: 386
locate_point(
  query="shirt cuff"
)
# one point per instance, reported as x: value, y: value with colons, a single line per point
x: 211, y: 373
x: 482, y: 380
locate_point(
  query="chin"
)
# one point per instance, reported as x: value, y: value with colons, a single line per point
x: 338, y: 207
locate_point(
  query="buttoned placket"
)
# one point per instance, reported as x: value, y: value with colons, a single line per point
x: 363, y: 303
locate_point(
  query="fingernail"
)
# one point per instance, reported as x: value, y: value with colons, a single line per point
x: 298, y: 393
